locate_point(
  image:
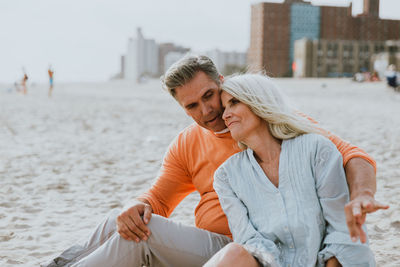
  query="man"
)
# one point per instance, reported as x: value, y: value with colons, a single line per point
x: 138, y: 236
x: 392, y: 77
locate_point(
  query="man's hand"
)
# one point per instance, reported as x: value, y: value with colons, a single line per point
x: 131, y: 223
x: 362, y: 184
x: 356, y: 212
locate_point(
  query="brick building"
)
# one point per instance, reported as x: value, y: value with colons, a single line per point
x: 275, y: 28
x: 343, y: 58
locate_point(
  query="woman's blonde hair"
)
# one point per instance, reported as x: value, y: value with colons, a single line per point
x: 263, y: 97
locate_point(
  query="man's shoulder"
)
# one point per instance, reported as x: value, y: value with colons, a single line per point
x: 192, y: 128
x: 185, y: 137
x: 194, y: 131
x: 189, y: 132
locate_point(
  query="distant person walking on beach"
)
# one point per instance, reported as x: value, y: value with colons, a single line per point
x: 23, y: 83
x: 51, y: 74
x: 141, y: 234
x: 392, y: 77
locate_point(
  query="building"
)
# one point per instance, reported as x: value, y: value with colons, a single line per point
x: 120, y: 74
x: 328, y: 58
x: 391, y: 56
x: 276, y: 26
x: 141, y: 58
x: 171, y: 58
x: 146, y: 58
x: 166, y: 48
x: 228, y: 62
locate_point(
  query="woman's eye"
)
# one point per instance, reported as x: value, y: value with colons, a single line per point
x: 234, y: 101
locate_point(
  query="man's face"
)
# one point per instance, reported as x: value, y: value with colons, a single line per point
x: 200, y: 98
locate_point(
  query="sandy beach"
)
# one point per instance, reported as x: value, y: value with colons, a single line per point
x: 65, y: 162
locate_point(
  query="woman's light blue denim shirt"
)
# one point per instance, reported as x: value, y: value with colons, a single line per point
x: 302, y: 222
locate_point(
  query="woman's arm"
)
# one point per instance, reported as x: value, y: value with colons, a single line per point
x: 241, y: 227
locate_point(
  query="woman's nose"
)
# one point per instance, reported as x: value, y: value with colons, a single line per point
x: 226, y: 115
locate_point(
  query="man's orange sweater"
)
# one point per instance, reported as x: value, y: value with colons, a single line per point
x: 189, y: 166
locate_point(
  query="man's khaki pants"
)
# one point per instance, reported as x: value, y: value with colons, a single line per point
x: 170, y: 244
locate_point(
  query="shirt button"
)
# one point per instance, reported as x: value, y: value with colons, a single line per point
x: 285, y: 228
x: 291, y: 246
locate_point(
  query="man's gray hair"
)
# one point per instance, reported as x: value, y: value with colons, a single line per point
x: 184, y: 70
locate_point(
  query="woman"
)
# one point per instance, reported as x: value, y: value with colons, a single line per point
x: 284, y: 195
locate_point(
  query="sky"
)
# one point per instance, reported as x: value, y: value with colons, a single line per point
x: 84, y: 39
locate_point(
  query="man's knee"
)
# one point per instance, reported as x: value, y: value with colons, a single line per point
x: 111, y: 218
x: 158, y: 223
x: 155, y: 225
x: 113, y: 214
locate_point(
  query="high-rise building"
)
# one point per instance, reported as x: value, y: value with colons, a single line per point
x: 172, y: 57
x: 276, y: 26
x: 141, y: 58
x: 122, y: 67
x: 227, y: 61
x: 164, y: 50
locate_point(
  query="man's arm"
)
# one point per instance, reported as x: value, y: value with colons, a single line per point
x: 360, y: 174
x: 172, y: 185
x: 362, y: 185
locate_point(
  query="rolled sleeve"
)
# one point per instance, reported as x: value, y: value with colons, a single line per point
x: 348, y: 255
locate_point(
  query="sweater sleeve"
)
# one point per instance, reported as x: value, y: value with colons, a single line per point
x: 173, y: 183
x: 347, y: 150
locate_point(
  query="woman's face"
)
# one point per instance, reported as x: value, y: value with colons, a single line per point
x: 238, y: 117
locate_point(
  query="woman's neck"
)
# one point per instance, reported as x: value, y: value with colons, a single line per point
x: 266, y: 147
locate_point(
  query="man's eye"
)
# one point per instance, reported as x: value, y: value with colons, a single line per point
x: 208, y: 95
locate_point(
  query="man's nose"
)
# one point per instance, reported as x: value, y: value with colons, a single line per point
x: 206, y: 109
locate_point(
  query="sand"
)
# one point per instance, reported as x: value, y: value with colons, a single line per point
x: 65, y: 162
